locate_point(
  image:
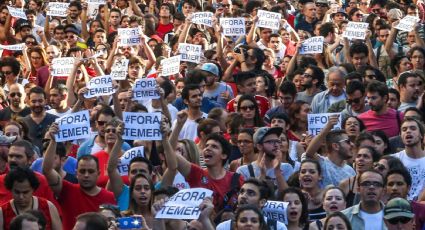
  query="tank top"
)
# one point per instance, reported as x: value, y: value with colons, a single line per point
x: 43, y: 206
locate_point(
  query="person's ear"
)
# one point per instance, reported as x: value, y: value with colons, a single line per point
x: 262, y: 202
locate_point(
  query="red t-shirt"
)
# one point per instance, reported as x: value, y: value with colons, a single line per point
x: 263, y: 105
x: 103, y: 158
x: 199, y: 178
x: 162, y: 29
x: 74, y: 201
x: 386, y: 122
x: 9, y: 214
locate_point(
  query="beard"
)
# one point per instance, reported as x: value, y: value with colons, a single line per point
x: 307, y: 85
x: 376, y: 108
x: 270, y: 155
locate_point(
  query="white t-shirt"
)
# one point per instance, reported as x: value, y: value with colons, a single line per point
x: 416, y: 168
x: 227, y: 225
x: 333, y: 99
x: 54, y: 112
x: 189, y: 130
x: 372, y: 221
x: 287, y: 171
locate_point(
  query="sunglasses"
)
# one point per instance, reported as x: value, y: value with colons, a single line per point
x: 15, y: 94
x: 101, y: 123
x: 245, y: 108
x: 345, y: 140
x: 70, y: 36
x: 321, y: 5
x: 110, y: 130
x: 359, y: 15
x: 375, y: 184
x: 29, y: 43
x: 355, y: 101
x: 6, y: 72
x: 402, y: 220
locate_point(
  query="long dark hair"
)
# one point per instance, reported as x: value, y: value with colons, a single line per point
x: 250, y: 207
x: 132, y: 206
x: 304, y: 213
x: 258, y: 122
x: 340, y: 215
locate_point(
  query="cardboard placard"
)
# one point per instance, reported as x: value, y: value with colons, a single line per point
x: 233, y: 26
x: 73, y: 126
x: 267, y: 19
x: 142, y: 126
x: 316, y: 122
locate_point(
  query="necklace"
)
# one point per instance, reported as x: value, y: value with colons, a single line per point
x: 17, y: 210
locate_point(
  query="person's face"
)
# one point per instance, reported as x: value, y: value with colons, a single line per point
x: 195, y: 98
x: 321, y: 8
x: 356, y: 100
x: 307, y: 79
x: 213, y: 153
x: 339, y: 17
x: 179, y: 88
x: 16, y: 95
x: 71, y: 38
x: 382, y: 167
x: 22, y: 194
x: 270, y: 58
x: 181, y: 150
x: 164, y: 11
x: 31, y: 18
x: 302, y: 115
x: 247, y: 109
x: 59, y: 35
x: 99, y: 37
x: 87, y: 174
x: 249, y: 86
x: 17, y: 157
x: 285, y: 37
x: 380, y: 145
x: 187, y: 9
x: 12, y: 131
x: 357, y: 16
x: 376, y: 102
x: 405, y: 65
x: 352, y: 127
x: 110, y: 135
x: 417, y: 60
x: 297, y: 80
x: 286, y: 100
x: 276, y: 122
x: 345, y: 147
x: 310, y: 10
x: 36, y: 59
x: 73, y: 12
x: 123, y: 100
x: 33, y: 6
x: 114, y: 18
x: 37, y: 103
x: 396, y: 186
x: 364, y: 5
x: 413, y: 12
x: 334, y: 201
x: 359, y: 60
x: 271, y: 146
x: 265, y: 34
x: 138, y: 168
x: 210, y: 80
x: 336, y: 223
x: 294, y: 208
x: 284, y: 146
x: 260, y: 84
x: 412, y: 89
x: 25, y: 31
x: 142, y: 192
x: 100, y: 123
x: 309, y: 176
x: 383, y: 35
x: 135, y: 70
x: 245, y: 143
x: 52, y: 52
x: 248, y: 220
x: 335, y: 84
x: 3, y: 15
x: 249, y: 194
x: 55, y: 98
x: 363, y: 160
x: 370, y: 187
x: 275, y: 43
x: 393, y: 101
x: 410, y: 134
x: 379, y: 10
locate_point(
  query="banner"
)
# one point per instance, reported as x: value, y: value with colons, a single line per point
x: 100, y: 86
x: 202, y: 18
x: 312, y: 45
x: 267, y: 19
x: 190, y: 53
x: 128, y: 36
x: 145, y: 88
x: 170, y: 66
x: 73, y: 126
x: 233, y: 26
x: 17, y: 12
x: 58, y: 9
x: 184, y: 205
x: 119, y: 69
x: 62, y: 66
x: 356, y: 30
x: 407, y: 23
x: 276, y: 210
x: 142, y: 126
x: 125, y: 159
x: 15, y: 47
x: 316, y: 122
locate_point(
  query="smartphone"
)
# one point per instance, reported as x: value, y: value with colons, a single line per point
x: 129, y: 222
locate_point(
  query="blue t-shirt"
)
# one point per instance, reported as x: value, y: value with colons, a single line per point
x: 123, y: 199
x: 70, y: 165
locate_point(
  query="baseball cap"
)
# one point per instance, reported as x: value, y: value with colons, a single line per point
x: 5, y: 140
x: 322, y: 2
x: 72, y: 29
x: 262, y: 132
x: 395, y: 14
x: 21, y: 23
x: 210, y: 68
x: 398, y: 207
x: 340, y: 11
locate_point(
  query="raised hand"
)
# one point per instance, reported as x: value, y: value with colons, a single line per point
x: 182, y: 117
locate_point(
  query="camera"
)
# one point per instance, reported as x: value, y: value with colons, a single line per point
x: 129, y: 222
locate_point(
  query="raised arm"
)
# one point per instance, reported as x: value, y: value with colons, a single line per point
x: 148, y: 52
x: 53, y: 177
x: 293, y: 62
x: 390, y: 41
x: 313, y: 147
x: 181, y: 119
x: 170, y: 156
x: 418, y: 39
x: 115, y: 183
x: 250, y: 38
x: 372, y: 57
x: 346, y: 48
x: 136, y: 8
x: 79, y: 104
x: 185, y: 31
x: 84, y: 33
x: 70, y: 81
x: 47, y: 28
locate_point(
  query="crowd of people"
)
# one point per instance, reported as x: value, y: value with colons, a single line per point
x: 236, y: 122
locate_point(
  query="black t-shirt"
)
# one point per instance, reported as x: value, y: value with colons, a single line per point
x: 6, y: 114
x: 36, y: 131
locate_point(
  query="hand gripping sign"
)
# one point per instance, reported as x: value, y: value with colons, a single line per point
x: 316, y: 122
x: 407, y: 23
x: 184, y: 205
x: 73, y: 126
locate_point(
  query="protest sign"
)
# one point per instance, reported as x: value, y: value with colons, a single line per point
x: 233, y: 26
x: 142, y: 126
x: 119, y: 69
x: 170, y: 65
x: 58, y: 9
x: 62, y: 66
x: 92, y: 10
x: 267, y: 19
x: 276, y: 210
x: 190, y: 53
x: 145, y: 88
x: 202, y: 18
x: 128, y: 36
x: 184, y: 205
x: 97, y: 2
x: 100, y: 86
x: 316, y: 122
x: 312, y: 45
x: 73, y: 126
x: 17, y: 12
x: 355, y: 30
x: 125, y: 159
x: 15, y: 47
x: 407, y: 23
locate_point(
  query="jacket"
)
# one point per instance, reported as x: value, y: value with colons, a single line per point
x: 353, y: 215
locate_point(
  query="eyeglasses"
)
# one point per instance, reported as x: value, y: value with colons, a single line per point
x: 6, y: 72
x: 70, y: 36
x: 30, y: 43
x: 244, y: 142
x: 307, y: 75
x: 352, y: 3
x: 363, y: 3
x: 229, y: 58
x: 345, y: 140
x: 402, y: 220
x: 355, y: 101
x: 11, y: 134
x: 110, y: 130
x: 273, y: 142
x: 375, y: 184
x: 101, y: 123
x: 245, y: 108
x: 225, y: 5
x: 359, y: 15
x: 379, y: 167
x: 15, y: 94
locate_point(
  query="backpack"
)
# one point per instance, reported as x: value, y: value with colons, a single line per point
x: 231, y: 197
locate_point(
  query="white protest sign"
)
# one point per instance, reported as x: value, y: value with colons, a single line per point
x: 267, y: 19
x: 407, y: 23
x: 190, y: 53
x: 170, y: 65
x: 73, y: 126
x: 62, y: 66
x: 142, y: 126
x: 233, y: 26
x: 355, y: 30
x: 313, y: 45
x: 92, y: 10
x: 316, y: 122
x: 276, y: 210
x: 145, y: 88
x: 15, y: 47
x: 17, y: 12
x: 97, y: 2
x: 127, y: 157
x: 58, y: 9
x: 119, y: 69
x: 202, y: 18
x: 100, y: 86
x: 184, y: 205
x: 128, y: 36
